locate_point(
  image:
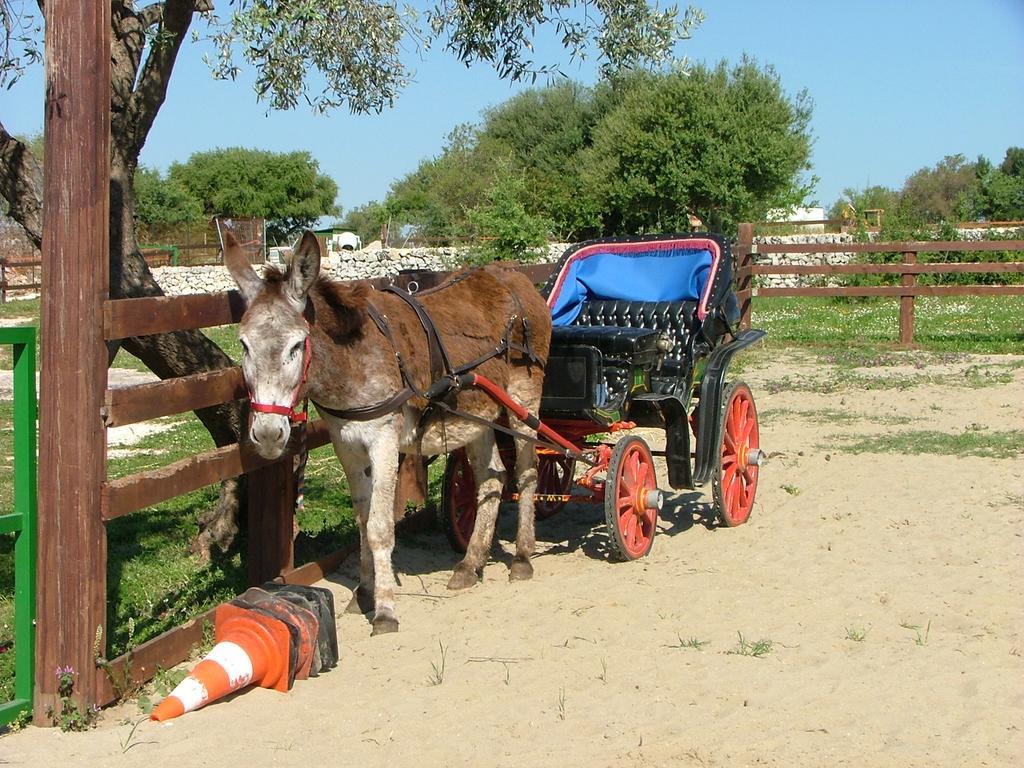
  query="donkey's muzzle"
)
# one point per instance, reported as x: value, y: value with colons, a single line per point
x: 269, y: 435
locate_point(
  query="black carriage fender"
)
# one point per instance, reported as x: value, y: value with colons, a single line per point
x: 709, y: 429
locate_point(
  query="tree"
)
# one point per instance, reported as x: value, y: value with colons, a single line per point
x: 162, y: 204
x: 331, y: 53
x: 544, y: 131
x: 933, y: 195
x: 502, y: 221
x: 286, y: 188
x: 876, y: 198
x: 365, y: 221
x: 725, y: 144
x: 999, y: 192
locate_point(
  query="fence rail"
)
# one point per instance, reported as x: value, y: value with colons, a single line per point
x: 22, y: 521
x: 908, y: 270
x: 6, y: 285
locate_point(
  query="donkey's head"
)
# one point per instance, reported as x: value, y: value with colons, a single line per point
x: 275, y: 339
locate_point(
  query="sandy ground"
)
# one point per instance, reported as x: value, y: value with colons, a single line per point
x: 588, y: 664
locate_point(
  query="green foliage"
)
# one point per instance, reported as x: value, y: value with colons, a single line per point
x: 638, y: 152
x: 939, y: 193
x: 285, y: 188
x: 70, y: 716
x: 365, y: 221
x: 502, y: 222
x: 349, y: 52
x: 951, y: 191
x: 544, y: 131
x: 875, y: 198
x: 725, y: 144
x: 998, y: 194
x: 162, y: 203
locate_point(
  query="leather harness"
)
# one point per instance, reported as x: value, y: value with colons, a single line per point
x: 443, y: 374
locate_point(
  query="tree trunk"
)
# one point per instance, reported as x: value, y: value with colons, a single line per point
x: 171, y: 354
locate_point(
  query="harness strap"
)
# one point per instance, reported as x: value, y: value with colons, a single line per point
x: 440, y: 364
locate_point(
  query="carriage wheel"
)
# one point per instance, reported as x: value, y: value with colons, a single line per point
x: 554, y: 476
x: 631, y: 498
x: 735, y: 482
x: 457, y: 515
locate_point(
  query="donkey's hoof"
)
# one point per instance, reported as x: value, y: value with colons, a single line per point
x: 383, y: 625
x: 361, y: 602
x: 522, y: 569
x: 463, y: 577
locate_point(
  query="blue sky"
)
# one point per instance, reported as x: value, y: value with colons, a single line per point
x: 897, y: 84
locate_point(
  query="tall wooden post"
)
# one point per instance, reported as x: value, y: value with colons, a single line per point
x: 907, y: 303
x: 71, y: 585
x: 744, y: 280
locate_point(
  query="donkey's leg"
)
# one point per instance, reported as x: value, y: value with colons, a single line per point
x: 487, y: 469
x: 526, y: 481
x: 380, y: 532
x: 357, y: 471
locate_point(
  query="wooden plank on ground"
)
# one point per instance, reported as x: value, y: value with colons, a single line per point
x: 130, y: 405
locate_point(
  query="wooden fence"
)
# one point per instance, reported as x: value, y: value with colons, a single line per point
x: 908, y: 270
x: 5, y: 277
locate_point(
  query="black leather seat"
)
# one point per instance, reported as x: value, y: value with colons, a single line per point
x: 674, y: 318
x: 612, y: 341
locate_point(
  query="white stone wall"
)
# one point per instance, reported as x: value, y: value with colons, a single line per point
x: 355, y: 265
x: 814, y: 259
x: 382, y: 262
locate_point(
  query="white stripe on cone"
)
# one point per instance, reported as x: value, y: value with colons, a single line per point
x: 235, y: 661
x: 191, y: 693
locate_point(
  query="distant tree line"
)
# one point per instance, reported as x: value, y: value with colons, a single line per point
x: 639, y: 152
x: 954, y: 190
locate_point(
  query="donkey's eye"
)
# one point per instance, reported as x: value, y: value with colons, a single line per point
x: 296, y: 348
x: 245, y: 348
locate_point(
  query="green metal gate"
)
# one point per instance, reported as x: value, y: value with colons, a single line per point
x: 22, y: 521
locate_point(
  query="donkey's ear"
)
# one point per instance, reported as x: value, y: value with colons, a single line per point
x: 305, y: 267
x: 241, y: 270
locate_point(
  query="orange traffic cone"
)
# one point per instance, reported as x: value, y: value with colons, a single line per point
x: 251, y: 648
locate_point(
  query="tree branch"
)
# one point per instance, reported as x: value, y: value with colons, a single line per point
x: 21, y: 185
x: 173, y: 20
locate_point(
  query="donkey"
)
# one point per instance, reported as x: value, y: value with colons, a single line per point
x: 361, y: 356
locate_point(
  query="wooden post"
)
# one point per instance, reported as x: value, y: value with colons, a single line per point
x: 907, y: 303
x: 744, y: 280
x: 271, y: 524
x: 71, y: 588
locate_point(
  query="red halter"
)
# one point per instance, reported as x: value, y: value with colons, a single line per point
x: 295, y: 417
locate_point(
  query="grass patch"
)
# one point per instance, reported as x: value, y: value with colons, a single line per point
x: 976, y: 324
x: 224, y: 336
x: 154, y: 579
x: 21, y: 308
x: 971, y: 442
x: 756, y: 649
x: 831, y: 416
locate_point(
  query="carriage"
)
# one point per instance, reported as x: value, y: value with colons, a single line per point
x: 644, y: 330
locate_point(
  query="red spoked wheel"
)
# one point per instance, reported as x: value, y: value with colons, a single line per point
x: 554, y: 477
x: 631, y: 498
x: 457, y: 514
x: 735, y: 482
